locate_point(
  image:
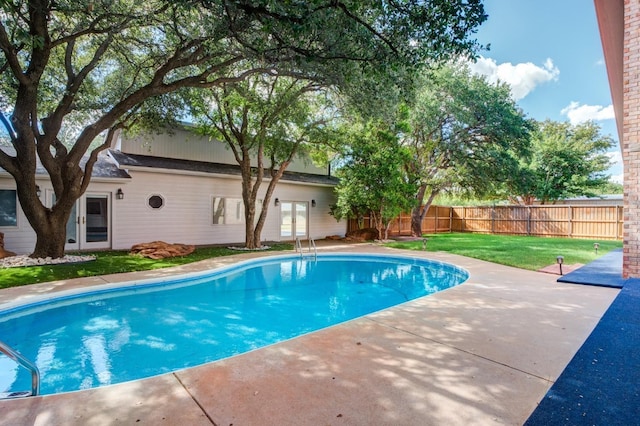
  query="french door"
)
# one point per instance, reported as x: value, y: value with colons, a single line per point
x: 294, y: 220
x: 89, y: 225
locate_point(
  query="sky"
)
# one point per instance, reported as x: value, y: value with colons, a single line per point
x: 550, y: 53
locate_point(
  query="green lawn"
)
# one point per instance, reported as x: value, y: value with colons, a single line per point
x: 109, y: 262
x: 524, y: 252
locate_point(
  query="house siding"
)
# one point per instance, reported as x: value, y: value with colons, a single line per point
x: 187, y: 213
x: 185, y: 145
x: 186, y: 216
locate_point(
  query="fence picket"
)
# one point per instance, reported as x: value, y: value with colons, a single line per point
x: 596, y: 221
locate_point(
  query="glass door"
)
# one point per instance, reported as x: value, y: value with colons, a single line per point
x: 95, y: 221
x: 300, y: 222
x: 293, y: 220
x: 72, y: 241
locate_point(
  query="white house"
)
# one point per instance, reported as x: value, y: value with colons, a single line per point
x: 176, y: 187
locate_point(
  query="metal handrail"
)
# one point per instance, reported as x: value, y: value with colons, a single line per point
x: 312, y: 243
x: 17, y: 357
x: 299, y: 246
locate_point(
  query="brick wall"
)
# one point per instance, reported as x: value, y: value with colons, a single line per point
x: 631, y: 139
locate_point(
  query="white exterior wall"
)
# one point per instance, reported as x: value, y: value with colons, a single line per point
x: 185, y: 145
x: 187, y: 214
x: 19, y: 239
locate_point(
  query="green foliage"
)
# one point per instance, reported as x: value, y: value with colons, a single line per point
x: 74, y: 71
x: 373, y: 180
x: 465, y: 135
x: 464, y: 131
x: 110, y: 262
x: 531, y: 253
x: 567, y: 161
x: 266, y: 121
x: 609, y: 188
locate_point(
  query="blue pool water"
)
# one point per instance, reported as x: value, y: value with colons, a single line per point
x: 116, y: 335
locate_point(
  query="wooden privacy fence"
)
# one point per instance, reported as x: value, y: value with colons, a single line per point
x: 603, y: 222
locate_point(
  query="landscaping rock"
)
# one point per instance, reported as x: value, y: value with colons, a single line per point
x: 4, y: 253
x: 162, y: 250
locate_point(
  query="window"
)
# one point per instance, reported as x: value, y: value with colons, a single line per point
x: 8, y: 208
x: 228, y: 211
x: 155, y: 201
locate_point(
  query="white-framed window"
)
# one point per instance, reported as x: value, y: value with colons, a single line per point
x: 8, y: 208
x: 230, y: 210
x: 227, y: 210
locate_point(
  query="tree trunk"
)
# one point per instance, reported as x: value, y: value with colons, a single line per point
x: 416, y: 213
x: 51, y: 233
x: 420, y: 211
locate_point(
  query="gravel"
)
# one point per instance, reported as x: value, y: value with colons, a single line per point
x: 24, y: 260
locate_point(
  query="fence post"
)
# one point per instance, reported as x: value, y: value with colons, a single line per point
x: 528, y: 220
x: 569, y: 213
x: 493, y: 219
x: 450, y: 219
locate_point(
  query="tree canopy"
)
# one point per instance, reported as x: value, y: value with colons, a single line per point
x: 373, y: 180
x: 108, y: 63
x: 464, y: 133
x: 567, y: 161
x: 266, y: 121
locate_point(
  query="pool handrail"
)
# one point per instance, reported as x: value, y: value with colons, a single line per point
x: 312, y: 243
x: 299, y: 246
x: 20, y: 359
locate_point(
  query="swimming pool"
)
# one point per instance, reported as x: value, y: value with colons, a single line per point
x: 148, y: 328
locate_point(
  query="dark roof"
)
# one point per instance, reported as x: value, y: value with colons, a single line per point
x: 104, y: 167
x: 136, y: 160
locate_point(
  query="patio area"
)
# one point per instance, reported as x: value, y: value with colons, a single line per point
x: 484, y: 352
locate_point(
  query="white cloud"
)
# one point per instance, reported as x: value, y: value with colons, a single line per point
x: 617, y: 178
x: 523, y: 77
x: 578, y: 113
x: 615, y: 157
x: 616, y: 165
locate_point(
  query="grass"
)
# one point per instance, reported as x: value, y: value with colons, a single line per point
x: 523, y: 252
x: 530, y: 253
x: 109, y: 262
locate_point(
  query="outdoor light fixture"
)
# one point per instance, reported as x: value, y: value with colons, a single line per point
x: 596, y: 246
x: 560, y: 260
x: 119, y: 194
x: 38, y: 191
x: 424, y: 244
x: 276, y: 202
x: 313, y: 203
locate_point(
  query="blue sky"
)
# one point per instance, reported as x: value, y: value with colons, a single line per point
x: 549, y: 51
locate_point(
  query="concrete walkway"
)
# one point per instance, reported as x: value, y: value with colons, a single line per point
x: 484, y: 352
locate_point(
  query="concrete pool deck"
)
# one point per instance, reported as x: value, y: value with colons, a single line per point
x: 484, y: 352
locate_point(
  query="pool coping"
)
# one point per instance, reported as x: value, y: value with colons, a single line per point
x: 499, y: 371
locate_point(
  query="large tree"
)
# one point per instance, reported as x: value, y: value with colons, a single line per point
x: 373, y: 178
x: 464, y: 134
x: 266, y: 121
x: 109, y: 60
x: 567, y: 161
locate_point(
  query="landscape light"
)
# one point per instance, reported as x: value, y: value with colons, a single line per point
x: 560, y: 260
x: 596, y: 246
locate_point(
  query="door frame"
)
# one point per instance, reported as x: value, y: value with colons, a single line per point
x: 81, y: 221
x: 293, y: 223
